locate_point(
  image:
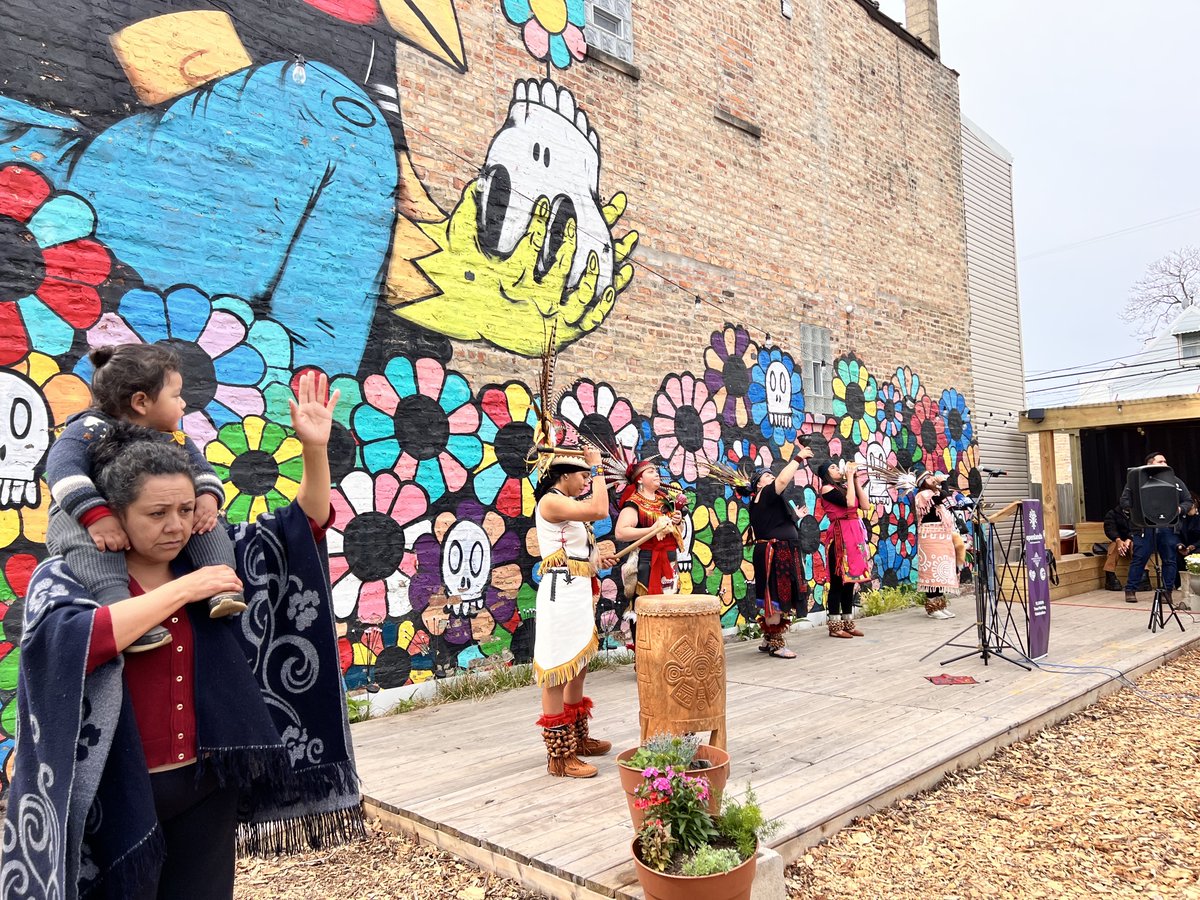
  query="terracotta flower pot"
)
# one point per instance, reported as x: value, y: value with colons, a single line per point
x: 717, y: 775
x: 732, y: 885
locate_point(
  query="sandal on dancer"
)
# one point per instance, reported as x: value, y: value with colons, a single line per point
x: 781, y: 652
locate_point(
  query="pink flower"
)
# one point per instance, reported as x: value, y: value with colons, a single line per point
x: 686, y: 424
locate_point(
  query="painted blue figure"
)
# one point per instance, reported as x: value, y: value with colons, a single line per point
x: 254, y: 185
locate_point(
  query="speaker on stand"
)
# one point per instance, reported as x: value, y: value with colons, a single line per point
x: 1154, y: 505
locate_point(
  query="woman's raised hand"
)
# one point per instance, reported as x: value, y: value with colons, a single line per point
x: 206, y: 582
x: 591, y: 455
x: 312, y: 410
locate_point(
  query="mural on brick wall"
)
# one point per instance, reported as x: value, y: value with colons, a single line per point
x: 243, y: 194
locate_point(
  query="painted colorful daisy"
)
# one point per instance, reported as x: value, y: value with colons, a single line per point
x: 894, y: 412
x: 551, y: 29
x: 595, y: 412
x: 776, y: 396
x: 968, y: 479
x: 929, y: 429
x: 720, y: 549
x: 898, y: 552
x: 909, y: 384
x: 378, y: 521
x: 686, y: 425
x: 502, y: 478
x: 53, y: 265
x: 221, y: 369
x: 260, y: 463
x: 419, y: 418
x: 747, y: 456
x: 957, y: 416
x: 728, y: 361
x: 855, y: 400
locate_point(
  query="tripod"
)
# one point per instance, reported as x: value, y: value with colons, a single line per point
x: 1159, y: 617
x: 990, y: 637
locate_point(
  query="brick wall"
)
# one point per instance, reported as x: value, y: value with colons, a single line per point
x: 406, y: 203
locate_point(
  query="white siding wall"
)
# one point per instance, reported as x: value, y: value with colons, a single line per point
x: 997, y: 361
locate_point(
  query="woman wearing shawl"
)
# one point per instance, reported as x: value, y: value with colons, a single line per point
x: 844, y: 501
x: 941, y: 551
x: 135, y: 775
x: 778, y: 569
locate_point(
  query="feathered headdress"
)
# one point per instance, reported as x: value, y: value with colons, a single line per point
x: 903, y: 480
x: 727, y: 475
x: 549, y: 447
x: 622, y: 469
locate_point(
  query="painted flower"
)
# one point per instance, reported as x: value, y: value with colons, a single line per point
x: 260, y: 463
x: 686, y: 424
x: 855, y: 400
x: 720, y: 549
x: 377, y: 522
x: 65, y: 392
x: 551, y: 29
x: 812, y: 525
x: 906, y: 447
x: 909, y: 384
x: 747, y: 456
x: 776, y: 396
x: 956, y: 415
x: 503, y: 479
x: 53, y: 265
x: 898, y: 552
x: 929, y: 430
x: 967, y: 476
x: 823, y: 438
x: 419, y: 418
x: 894, y: 411
x: 595, y: 412
x: 728, y: 361
x: 221, y: 368
x: 25, y: 521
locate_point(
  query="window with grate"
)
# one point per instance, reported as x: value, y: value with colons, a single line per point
x: 610, y: 27
x: 1189, y: 346
x: 818, y: 371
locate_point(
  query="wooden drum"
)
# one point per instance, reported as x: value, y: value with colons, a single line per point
x: 681, y: 665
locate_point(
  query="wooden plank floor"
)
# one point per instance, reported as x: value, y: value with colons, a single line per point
x: 844, y: 730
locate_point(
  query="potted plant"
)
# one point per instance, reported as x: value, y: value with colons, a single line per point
x: 682, y: 850
x: 1193, y: 567
x: 682, y: 753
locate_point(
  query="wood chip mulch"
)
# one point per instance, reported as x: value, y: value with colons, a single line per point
x: 1106, y: 804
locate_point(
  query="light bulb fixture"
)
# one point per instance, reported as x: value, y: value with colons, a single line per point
x: 299, y: 74
x: 698, y: 301
x: 767, y: 342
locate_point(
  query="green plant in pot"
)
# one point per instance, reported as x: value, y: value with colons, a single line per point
x: 682, y: 753
x: 682, y: 850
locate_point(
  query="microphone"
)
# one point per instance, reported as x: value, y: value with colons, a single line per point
x: 993, y: 472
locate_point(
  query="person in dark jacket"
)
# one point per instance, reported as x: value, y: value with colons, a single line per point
x: 1119, y: 531
x: 1147, y: 541
x: 1187, y: 532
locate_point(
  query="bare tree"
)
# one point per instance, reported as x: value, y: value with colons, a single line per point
x: 1171, y: 284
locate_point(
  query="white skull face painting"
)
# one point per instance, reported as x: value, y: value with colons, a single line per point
x: 779, y: 394
x: 466, y: 566
x: 24, y: 437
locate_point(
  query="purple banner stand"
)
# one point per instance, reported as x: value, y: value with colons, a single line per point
x: 1037, y: 579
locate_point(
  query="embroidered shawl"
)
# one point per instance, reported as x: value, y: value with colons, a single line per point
x: 271, y: 718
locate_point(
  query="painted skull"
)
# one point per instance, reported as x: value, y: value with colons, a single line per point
x: 466, y: 566
x: 779, y: 394
x: 683, y: 559
x: 24, y: 437
x: 545, y: 149
x: 875, y: 458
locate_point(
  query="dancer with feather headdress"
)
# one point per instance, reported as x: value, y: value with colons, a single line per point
x: 565, y: 639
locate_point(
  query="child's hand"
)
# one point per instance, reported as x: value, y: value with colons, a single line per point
x: 205, y: 519
x: 108, y: 534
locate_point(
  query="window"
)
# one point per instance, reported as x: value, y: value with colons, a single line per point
x: 610, y: 27
x: 818, y: 372
x: 1189, y: 346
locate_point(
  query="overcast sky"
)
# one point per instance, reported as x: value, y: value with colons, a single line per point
x: 1097, y: 104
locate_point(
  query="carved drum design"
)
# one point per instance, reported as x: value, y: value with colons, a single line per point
x: 681, y: 665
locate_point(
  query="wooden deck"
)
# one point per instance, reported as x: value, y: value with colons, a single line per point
x: 842, y: 731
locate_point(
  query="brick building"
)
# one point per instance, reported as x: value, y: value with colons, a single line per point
x: 745, y: 219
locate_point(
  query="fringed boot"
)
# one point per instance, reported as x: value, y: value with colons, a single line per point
x: 935, y: 606
x: 836, y: 628
x: 559, y: 734
x: 774, y: 642
x: 585, y: 745
x: 849, y: 628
